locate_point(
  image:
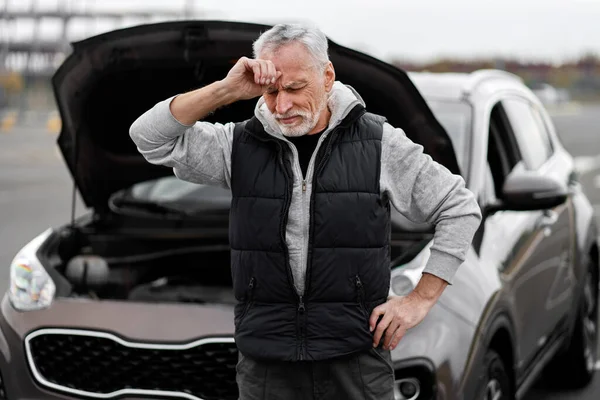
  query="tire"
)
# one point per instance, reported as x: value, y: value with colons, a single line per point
x: 495, y: 383
x: 574, y: 369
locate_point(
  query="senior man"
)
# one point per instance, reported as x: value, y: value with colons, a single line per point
x: 312, y: 175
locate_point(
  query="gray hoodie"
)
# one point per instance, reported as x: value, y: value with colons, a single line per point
x: 419, y: 188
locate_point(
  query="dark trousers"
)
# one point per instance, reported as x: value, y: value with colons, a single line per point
x: 366, y: 375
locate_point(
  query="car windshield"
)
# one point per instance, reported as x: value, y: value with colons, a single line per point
x: 174, y: 196
x: 455, y: 117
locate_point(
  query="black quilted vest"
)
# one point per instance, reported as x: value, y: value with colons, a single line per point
x: 348, y: 271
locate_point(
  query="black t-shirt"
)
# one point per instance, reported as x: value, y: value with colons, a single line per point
x: 306, y: 145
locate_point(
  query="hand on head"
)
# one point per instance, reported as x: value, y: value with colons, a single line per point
x: 250, y: 77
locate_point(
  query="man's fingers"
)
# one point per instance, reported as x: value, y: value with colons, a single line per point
x: 269, y: 72
x: 263, y: 70
x: 272, y: 73
x: 266, y: 73
x: 256, y: 71
x: 258, y: 76
x: 381, y: 327
x: 398, y: 335
x: 377, y: 311
x: 389, y: 332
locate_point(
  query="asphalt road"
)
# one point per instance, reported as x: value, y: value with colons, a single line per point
x: 35, y: 192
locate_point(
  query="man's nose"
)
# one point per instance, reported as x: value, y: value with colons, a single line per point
x: 283, y: 104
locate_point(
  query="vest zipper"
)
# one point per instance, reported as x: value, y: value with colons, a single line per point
x: 301, y: 307
x: 301, y: 310
x: 251, y: 287
x: 284, y: 217
x: 250, y: 298
x: 361, y: 295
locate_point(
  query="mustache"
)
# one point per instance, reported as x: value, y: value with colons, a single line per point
x: 292, y: 114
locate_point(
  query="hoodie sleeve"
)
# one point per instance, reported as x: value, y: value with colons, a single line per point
x: 199, y: 153
x: 424, y: 191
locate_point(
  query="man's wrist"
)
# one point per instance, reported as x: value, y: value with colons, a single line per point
x: 429, y: 288
x: 224, y: 92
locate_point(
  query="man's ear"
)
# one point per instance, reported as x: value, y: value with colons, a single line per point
x: 329, y: 76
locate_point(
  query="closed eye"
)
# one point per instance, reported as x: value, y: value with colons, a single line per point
x: 289, y: 89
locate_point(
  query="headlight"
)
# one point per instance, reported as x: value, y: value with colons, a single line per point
x: 31, y: 288
x: 405, y: 277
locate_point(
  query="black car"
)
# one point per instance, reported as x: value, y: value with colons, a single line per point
x: 134, y: 299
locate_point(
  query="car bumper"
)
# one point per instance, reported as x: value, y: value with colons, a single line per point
x: 181, y: 324
x: 134, y: 324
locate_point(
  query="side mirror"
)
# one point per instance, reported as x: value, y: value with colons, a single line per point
x: 528, y: 190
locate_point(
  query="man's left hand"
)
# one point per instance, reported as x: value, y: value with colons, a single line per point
x: 400, y: 313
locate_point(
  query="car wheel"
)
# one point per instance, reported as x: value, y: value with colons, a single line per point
x: 496, y: 382
x: 575, y: 368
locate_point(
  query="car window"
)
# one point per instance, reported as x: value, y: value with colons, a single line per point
x: 530, y: 132
x: 503, y: 151
x: 174, y: 193
x: 544, y: 128
x: 455, y: 117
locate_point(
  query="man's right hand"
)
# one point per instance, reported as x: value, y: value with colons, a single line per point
x: 248, y: 78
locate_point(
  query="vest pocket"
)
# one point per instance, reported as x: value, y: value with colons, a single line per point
x: 249, y: 298
x: 360, y: 289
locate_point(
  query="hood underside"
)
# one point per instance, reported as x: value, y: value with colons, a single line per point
x: 111, y: 79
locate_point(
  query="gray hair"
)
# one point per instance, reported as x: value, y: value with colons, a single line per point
x: 312, y: 38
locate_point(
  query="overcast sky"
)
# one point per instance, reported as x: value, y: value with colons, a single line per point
x: 552, y: 30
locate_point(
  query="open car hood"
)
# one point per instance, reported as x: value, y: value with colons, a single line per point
x: 111, y: 79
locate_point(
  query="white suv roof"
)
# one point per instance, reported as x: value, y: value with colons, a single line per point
x: 452, y: 85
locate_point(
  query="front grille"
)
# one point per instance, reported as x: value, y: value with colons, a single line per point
x: 89, y: 364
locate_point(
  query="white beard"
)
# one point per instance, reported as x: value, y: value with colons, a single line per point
x: 309, y: 121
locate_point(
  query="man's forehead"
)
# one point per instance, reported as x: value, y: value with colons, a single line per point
x: 289, y: 56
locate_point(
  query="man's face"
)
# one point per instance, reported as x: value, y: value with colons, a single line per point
x: 299, y: 97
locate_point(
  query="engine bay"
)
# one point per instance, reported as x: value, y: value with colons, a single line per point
x: 151, y: 267
x: 160, y: 265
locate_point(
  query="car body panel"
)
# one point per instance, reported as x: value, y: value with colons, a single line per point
x: 445, y: 338
x: 532, y: 290
x: 133, y: 321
